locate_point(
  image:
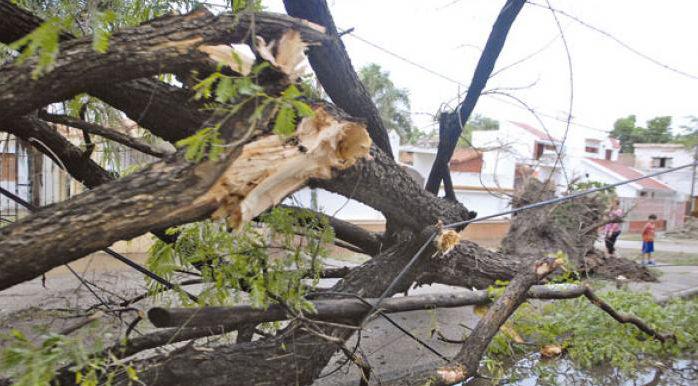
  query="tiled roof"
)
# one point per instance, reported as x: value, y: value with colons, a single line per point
x: 536, y: 132
x: 628, y: 173
x: 615, y: 142
x: 466, y: 160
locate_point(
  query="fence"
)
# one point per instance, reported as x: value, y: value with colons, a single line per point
x: 35, y: 178
x: 670, y: 213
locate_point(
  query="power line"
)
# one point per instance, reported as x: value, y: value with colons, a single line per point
x: 618, y: 41
x: 459, y: 83
x: 540, y: 204
x: 406, y: 60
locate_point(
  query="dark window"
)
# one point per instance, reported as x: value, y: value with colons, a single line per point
x: 591, y: 149
x: 538, y: 151
x: 661, y: 162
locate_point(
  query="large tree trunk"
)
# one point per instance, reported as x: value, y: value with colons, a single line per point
x: 255, y: 174
x: 169, y: 44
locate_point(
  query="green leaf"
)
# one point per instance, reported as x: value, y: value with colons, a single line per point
x: 285, y: 122
x: 102, y: 31
x: 43, y: 43
x: 226, y: 90
x: 303, y: 109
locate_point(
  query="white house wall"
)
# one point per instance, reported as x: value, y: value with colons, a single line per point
x: 331, y: 203
x: 679, y: 180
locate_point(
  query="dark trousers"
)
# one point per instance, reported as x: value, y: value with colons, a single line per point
x: 611, y: 242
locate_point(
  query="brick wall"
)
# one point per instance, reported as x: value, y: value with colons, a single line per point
x: 670, y: 214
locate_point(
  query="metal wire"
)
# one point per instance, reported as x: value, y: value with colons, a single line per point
x: 458, y: 224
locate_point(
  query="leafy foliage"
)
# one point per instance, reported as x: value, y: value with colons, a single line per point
x: 233, y: 93
x: 627, y: 131
x: 590, y: 337
x: 35, y: 364
x: 269, y: 263
x: 393, y: 103
x: 42, y: 43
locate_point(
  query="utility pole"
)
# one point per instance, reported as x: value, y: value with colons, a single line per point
x: 693, y: 180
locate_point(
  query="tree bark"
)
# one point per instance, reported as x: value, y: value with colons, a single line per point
x: 385, y: 186
x: 451, y: 125
x: 258, y: 171
x: 114, y: 135
x: 168, y: 44
x: 333, y: 68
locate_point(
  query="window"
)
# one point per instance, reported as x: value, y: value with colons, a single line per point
x: 661, y: 162
x: 540, y: 148
x: 592, y: 146
x: 8, y: 167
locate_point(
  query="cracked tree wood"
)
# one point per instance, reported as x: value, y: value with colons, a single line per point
x: 333, y: 68
x: 257, y: 173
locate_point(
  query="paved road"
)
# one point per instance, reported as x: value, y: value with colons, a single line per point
x: 393, y: 354
x: 686, y: 246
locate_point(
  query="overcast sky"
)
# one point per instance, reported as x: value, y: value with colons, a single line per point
x: 446, y: 36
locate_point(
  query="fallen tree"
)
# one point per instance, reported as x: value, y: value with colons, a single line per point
x: 236, y: 173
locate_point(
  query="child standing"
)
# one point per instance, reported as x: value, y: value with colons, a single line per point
x: 648, y: 240
x: 612, y: 229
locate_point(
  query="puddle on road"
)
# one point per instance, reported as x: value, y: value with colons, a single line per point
x: 529, y: 372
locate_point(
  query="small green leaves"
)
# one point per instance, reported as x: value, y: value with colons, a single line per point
x: 289, y: 109
x: 102, y: 31
x: 285, y: 122
x: 43, y: 43
x: 206, y: 143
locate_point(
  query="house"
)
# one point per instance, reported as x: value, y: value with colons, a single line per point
x: 29, y: 175
x: 654, y: 157
x: 37, y: 179
x: 581, y: 156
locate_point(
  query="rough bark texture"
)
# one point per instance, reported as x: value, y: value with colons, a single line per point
x: 168, y: 44
x: 162, y: 195
x: 385, y: 186
x: 114, y: 135
x: 336, y: 73
x: 167, y: 111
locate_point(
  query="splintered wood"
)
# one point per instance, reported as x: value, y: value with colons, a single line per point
x: 273, y: 167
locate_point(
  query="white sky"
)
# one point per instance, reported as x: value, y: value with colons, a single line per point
x: 609, y: 81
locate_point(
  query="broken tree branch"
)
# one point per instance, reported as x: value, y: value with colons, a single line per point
x: 168, y: 44
x: 105, y: 132
x: 335, y: 72
x: 252, y: 177
x: 451, y: 124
